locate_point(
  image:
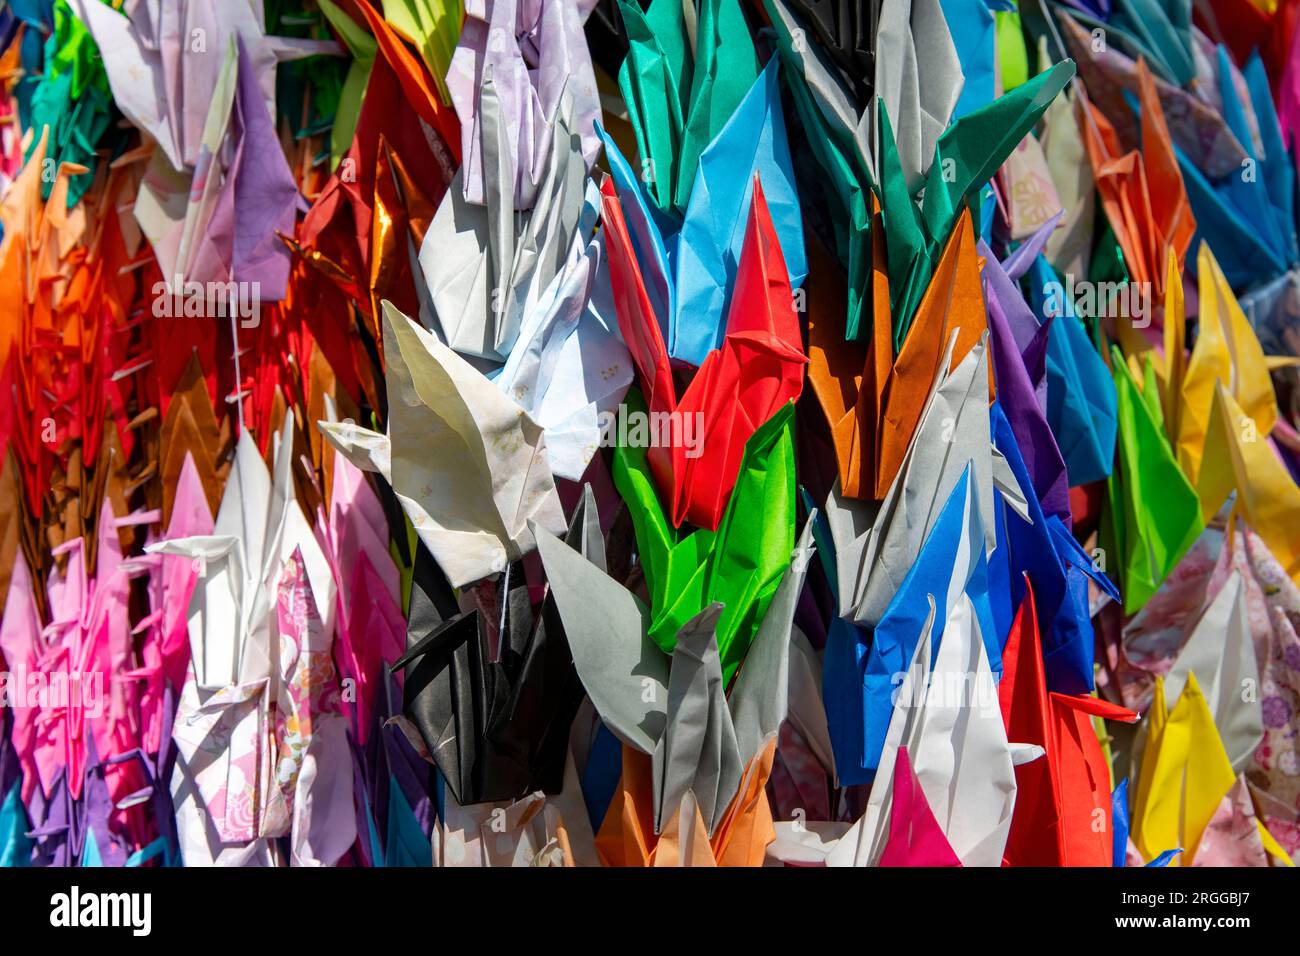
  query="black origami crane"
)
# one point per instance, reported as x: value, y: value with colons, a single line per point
x: 498, y: 728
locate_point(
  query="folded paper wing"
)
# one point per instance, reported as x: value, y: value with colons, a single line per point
x: 710, y: 245
x: 872, y: 399
x: 1227, y: 351
x: 484, y: 266
x: 1239, y: 459
x: 1152, y: 531
x: 1185, y: 775
x: 951, y: 563
x: 678, y: 103
x: 1222, y: 650
x: 946, y: 715
x: 1080, y: 390
x: 966, y: 156
x: 1142, y: 191
x: 1036, y: 836
x: 569, y: 368
x: 1249, y: 214
x: 918, y: 78
x: 229, y: 803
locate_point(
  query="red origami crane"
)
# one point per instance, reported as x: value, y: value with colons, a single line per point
x: 1063, y: 805
x: 738, y: 386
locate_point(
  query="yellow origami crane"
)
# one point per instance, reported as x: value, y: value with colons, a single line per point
x: 1185, y: 775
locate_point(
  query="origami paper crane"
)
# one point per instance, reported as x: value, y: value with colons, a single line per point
x: 1080, y: 390
x: 1112, y: 76
x: 738, y: 387
x: 1019, y: 366
x: 508, y: 76
x: 1266, y: 495
x: 552, y: 315
x: 1226, y: 351
x: 569, y: 368
x: 1221, y: 648
x: 919, y: 100
x: 1069, y: 248
x: 1228, y: 554
x: 1184, y: 743
x: 470, y: 509
x: 1142, y: 194
x: 965, y: 157
x: 483, y: 269
x: 675, y: 711
x: 71, y: 100
x: 1060, y: 569
x: 279, y: 710
x: 1150, y: 532
x: 951, y: 563
x: 691, y: 271
x: 678, y: 103
x: 1153, y: 637
x: 875, y: 551
x: 494, y: 709
x: 151, y: 75
x: 1250, y: 213
x: 224, y: 228
x: 874, y: 398
x: 963, y: 765
x: 1057, y: 798
x: 218, y: 224
x: 739, y: 566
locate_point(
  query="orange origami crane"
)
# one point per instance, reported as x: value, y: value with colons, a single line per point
x: 872, y: 399
x: 1142, y: 193
x: 627, y: 836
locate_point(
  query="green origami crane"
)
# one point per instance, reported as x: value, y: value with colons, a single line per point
x: 677, y: 103
x: 433, y: 26
x: 916, y: 223
x: 73, y: 100
x: 740, y: 565
x: 965, y: 158
x: 1154, y: 515
x: 363, y: 48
